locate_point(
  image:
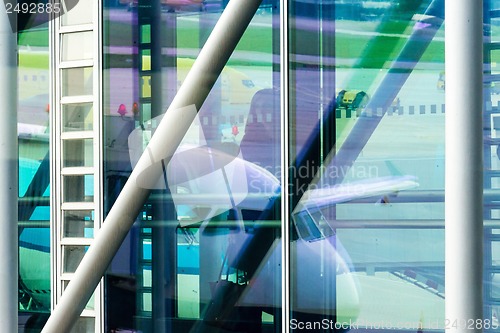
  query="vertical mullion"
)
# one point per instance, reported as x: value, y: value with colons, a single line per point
x: 55, y: 96
x: 285, y: 200
x: 98, y: 150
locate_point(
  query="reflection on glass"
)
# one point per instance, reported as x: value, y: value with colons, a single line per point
x: 495, y: 253
x: 77, y: 46
x: 81, y: 81
x: 78, y: 223
x: 188, y: 269
x: 33, y: 110
x: 145, y: 33
x: 216, y: 194
x: 72, y: 256
x: 84, y: 325
x: 79, y: 12
x: 77, y: 117
x: 78, y: 153
x: 145, y: 60
x: 354, y: 145
x: 146, y: 302
x: 78, y: 188
x: 260, y: 143
x: 146, y: 86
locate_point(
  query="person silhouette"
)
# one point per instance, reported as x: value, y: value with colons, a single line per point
x: 261, y: 142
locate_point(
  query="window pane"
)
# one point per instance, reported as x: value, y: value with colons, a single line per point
x: 72, y: 256
x: 367, y: 125
x: 78, y: 188
x: 78, y: 153
x: 78, y: 223
x: 84, y: 325
x: 80, y: 12
x: 77, y: 46
x: 223, y: 183
x: 80, y: 79
x: 77, y: 117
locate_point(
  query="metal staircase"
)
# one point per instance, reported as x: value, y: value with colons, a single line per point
x: 156, y: 238
x: 143, y: 63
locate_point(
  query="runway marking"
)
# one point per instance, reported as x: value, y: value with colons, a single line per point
x: 433, y: 109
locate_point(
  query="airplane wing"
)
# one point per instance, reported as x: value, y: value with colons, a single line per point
x: 355, y: 190
x: 308, y: 219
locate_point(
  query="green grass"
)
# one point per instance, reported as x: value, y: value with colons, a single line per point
x: 259, y: 39
x: 34, y: 60
x: 38, y: 38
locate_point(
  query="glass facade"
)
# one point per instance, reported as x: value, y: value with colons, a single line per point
x: 306, y: 195
x: 366, y: 125
x: 34, y: 173
x: 185, y: 255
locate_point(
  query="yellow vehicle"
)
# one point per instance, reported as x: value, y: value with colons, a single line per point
x: 357, y: 99
x: 352, y: 99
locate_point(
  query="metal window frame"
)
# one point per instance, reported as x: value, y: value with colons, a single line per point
x: 58, y: 136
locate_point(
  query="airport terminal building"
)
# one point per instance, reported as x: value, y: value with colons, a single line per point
x: 257, y: 166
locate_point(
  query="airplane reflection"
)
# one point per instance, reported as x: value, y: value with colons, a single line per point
x: 212, y: 181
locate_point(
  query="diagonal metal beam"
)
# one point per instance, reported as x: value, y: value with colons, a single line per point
x: 174, y: 125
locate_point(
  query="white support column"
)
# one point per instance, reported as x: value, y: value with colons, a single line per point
x: 464, y: 163
x: 171, y: 130
x: 8, y: 176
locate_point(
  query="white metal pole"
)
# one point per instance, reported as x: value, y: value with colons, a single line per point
x: 464, y: 165
x: 171, y: 130
x: 8, y: 174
